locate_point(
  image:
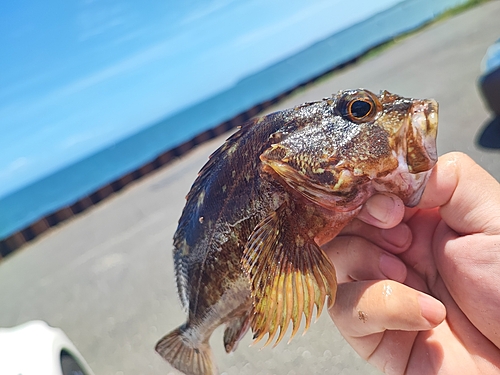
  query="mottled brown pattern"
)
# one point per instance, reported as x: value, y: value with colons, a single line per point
x: 247, y: 250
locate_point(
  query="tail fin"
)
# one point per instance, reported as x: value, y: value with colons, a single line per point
x: 185, y: 355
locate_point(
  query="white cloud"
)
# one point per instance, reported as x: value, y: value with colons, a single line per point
x: 101, y: 28
x: 129, y: 64
x: 75, y: 139
x: 203, y: 12
x: 262, y: 33
x: 14, y: 167
x: 96, y: 19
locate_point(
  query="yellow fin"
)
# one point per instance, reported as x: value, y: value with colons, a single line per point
x: 288, y: 274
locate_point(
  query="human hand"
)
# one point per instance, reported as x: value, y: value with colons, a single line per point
x: 449, y: 248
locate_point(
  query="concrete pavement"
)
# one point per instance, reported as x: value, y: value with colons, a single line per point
x: 106, y: 277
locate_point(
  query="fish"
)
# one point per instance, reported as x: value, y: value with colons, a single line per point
x: 247, y: 249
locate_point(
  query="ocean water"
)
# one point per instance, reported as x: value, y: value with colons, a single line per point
x: 26, y: 205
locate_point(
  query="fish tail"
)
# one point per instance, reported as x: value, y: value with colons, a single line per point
x: 185, y: 354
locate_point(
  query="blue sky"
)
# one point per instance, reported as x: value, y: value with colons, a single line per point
x: 76, y: 76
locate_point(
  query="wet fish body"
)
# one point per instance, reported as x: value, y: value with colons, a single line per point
x: 246, y: 250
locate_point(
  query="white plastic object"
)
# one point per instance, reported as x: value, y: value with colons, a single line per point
x: 35, y: 348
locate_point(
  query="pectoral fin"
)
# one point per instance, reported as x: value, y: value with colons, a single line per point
x: 288, y: 273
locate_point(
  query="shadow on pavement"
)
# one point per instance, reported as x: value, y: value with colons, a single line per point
x: 489, y: 137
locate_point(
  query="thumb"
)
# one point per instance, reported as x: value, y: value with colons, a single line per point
x: 467, y: 195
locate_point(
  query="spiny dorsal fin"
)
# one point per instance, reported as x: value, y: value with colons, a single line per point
x: 288, y: 273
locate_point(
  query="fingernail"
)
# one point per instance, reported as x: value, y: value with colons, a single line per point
x: 392, y: 268
x: 381, y: 207
x: 431, y: 309
x: 398, y: 236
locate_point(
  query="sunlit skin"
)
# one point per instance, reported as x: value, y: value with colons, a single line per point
x: 427, y: 287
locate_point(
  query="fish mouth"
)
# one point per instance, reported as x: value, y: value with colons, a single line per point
x: 421, y: 150
x: 421, y: 136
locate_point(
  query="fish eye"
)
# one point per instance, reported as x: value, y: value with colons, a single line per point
x: 359, y: 106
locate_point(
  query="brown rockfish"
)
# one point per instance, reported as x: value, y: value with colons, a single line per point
x: 247, y: 249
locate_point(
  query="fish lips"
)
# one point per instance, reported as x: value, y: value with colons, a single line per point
x: 421, y: 150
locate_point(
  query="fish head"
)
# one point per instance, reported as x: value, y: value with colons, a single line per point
x: 344, y: 149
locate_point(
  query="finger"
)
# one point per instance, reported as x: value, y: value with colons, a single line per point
x: 409, y: 212
x: 355, y: 258
x: 469, y: 197
x: 395, y: 240
x: 383, y: 211
x: 472, y: 268
x: 381, y: 318
x: 365, y: 308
